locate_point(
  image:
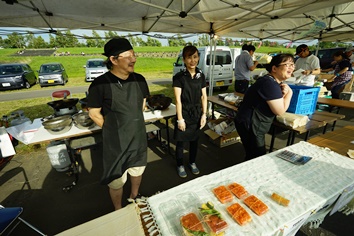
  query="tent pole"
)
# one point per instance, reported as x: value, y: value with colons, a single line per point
x: 212, y: 65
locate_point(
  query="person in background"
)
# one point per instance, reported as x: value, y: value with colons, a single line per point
x: 309, y: 63
x: 350, y: 55
x: 189, y: 88
x: 342, y: 73
x: 265, y: 99
x: 116, y: 101
x: 244, y: 64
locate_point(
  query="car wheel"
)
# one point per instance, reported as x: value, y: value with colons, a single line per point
x: 27, y: 85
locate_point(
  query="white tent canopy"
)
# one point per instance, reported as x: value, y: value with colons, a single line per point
x: 326, y: 20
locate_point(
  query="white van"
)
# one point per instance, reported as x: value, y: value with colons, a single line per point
x: 223, y: 71
x: 94, y: 68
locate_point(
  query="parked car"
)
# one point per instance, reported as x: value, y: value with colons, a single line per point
x: 52, y: 74
x: 223, y: 68
x: 16, y: 76
x: 94, y: 68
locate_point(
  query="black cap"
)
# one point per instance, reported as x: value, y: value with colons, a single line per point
x: 300, y: 48
x: 116, y: 46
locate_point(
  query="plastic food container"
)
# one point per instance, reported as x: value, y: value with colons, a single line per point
x: 256, y: 205
x: 239, y: 214
x: 223, y: 194
x: 280, y: 199
x: 213, y: 218
x: 192, y: 225
x: 238, y: 190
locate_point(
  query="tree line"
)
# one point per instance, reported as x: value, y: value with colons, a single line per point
x: 64, y: 39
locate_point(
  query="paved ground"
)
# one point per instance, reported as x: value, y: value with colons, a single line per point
x: 31, y: 182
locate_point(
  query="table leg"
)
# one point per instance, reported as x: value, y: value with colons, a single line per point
x: 273, y: 139
x: 168, y: 136
x: 289, y: 138
x: 212, y: 111
x: 334, y: 124
x: 74, y: 166
x: 292, y: 138
x: 324, y: 129
x: 307, y: 135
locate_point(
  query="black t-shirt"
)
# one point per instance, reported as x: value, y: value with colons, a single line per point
x: 100, y: 94
x: 265, y: 89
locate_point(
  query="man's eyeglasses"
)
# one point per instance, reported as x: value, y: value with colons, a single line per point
x: 288, y: 65
x: 129, y: 56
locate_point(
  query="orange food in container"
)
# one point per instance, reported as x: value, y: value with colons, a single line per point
x: 213, y: 218
x: 237, y: 189
x: 256, y: 205
x: 223, y: 194
x: 239, y: 214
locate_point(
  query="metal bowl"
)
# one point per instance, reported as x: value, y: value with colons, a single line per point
x: 58, y: 125
x: 82, y: 120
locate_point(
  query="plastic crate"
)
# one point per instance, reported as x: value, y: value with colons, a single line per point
x: 304, y: 99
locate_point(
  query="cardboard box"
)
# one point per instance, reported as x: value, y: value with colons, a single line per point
x: 222, y: 140
x: 349, y: 96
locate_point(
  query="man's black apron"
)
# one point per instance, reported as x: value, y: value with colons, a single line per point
x: 124, y: 133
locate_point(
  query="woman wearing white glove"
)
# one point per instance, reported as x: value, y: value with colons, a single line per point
x: 191, y: 105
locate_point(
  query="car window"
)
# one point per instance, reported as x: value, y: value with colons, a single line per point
x: 221, y: 58
x: 94, y: 64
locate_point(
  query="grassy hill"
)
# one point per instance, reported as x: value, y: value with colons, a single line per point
x: 153, y: 62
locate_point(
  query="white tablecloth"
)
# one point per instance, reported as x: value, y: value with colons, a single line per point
x: 30, y: 133
x: 309, y: 188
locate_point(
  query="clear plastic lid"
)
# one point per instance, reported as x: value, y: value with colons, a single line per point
x: 239, y: 214
x: 223, y: 194
x: 191, y: 224
x: 279, y: 198
x: 213, y: 218
x: 256, y: 205
x: 238, y: 190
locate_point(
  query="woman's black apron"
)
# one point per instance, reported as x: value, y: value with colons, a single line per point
x: 124, y: 133
x: 191, y: 110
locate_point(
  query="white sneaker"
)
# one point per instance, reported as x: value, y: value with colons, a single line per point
x: 194, y: 168
x: 181, y: 171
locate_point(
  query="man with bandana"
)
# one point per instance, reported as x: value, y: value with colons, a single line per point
x: 115, y: 101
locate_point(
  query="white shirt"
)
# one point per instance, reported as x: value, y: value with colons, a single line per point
x: 308, y: 63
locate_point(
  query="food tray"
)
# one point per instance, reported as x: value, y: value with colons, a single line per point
x: 213, y: 218
x: 223, y: 194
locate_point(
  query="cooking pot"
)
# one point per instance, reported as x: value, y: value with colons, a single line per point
x: 58, y: 125
x: 82, y: 120
x: 64, y: 106
x: 63, y: 103
x: 158, y: 102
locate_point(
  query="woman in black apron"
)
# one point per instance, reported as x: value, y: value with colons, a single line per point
x: 191, y: 106
x: 264, y: 100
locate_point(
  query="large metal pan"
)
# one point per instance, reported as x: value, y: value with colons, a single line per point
x: 63, y: 103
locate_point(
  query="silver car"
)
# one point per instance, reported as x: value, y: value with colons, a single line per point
x: 52, y: 74
x: 94, y: 68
